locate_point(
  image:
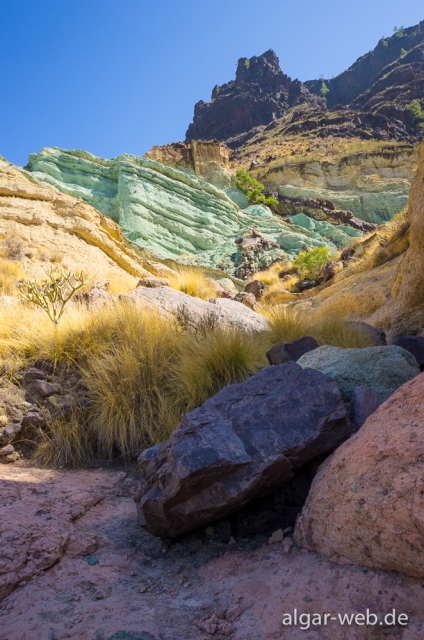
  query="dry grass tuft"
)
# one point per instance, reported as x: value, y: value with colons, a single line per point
x: 287, y: 325
x: 142, y: 371
x: 221, y: 357
x: 64, y: 443
x: 194, y: 282
x: 10, y: 273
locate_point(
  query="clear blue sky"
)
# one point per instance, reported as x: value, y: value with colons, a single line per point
x: 115, y: 76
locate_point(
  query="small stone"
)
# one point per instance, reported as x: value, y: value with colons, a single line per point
x: 42, y: 388
x: 13, y: 457
x: 91, y: 560
x: 34, y: 374
x: 277, y: 536
x: 232, y: 541
x: 3, y: 420
x: 153, y: 282
x: 210, y: 531
x: 11, y: 430
x: 286, y: 545
x: 7, y: 450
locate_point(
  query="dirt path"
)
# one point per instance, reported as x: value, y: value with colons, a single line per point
x: 75, y: 564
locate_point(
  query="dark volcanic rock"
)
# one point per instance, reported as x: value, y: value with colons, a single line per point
x: 41, y: 388
x: 260, y: 93
x: 304, y: 285
x: 415, y: 345
x: 242, y: 443
x: 356, y: 82
x: 363, y: 403
x: 281, y: 353
x: 377, y: 336
x: 257, y: 287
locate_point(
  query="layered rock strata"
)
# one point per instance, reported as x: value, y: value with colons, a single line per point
x: 50, y: 226
x: 175, y: 214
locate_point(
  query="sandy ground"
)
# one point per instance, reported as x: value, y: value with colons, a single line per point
x: 75, y: 564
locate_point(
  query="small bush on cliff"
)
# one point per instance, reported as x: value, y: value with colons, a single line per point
x: 309, y: 263
x: 324, y: 89
x: 252, y: 188
x: 416, y: 113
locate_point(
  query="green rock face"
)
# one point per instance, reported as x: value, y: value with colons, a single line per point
x: 384, y: 369
x: 174, y: 214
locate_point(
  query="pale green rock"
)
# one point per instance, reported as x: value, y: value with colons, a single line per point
x: 376, y: 207
x: 384, y: 369
x: 341, y: 235
x: 172, y: 213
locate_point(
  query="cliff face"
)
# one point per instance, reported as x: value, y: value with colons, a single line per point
x: 176, y: 215
x: 378, y: 89
x: 408, y: 289
x: 49, y: 226
x: 374, y: 186
x: 209, y: 161
x: 260, y: 93
x: 375, y: 68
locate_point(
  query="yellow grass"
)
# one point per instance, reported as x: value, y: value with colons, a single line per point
x: 142, y: 371
x: 288, y: 324
x: 10, y: 273
x: 193, y: 281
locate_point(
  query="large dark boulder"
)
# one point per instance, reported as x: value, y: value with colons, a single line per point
x: 239, y: 445
x: 415, y: 345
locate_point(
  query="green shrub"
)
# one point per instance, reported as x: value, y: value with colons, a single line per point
x: 309, y: 263
x: 324, y: 89
x: 403, y: 53
x: 416, y: 113
x: 252, y: 188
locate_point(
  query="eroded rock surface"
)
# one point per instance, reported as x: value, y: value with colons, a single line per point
x: 51, y: 226
x: 367, y: 501
x: 240, y: 444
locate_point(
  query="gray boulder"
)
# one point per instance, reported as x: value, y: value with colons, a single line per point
x: 384, y: 369
x: 238, y: 446
x: 172, y: 303
x: 363, y: 403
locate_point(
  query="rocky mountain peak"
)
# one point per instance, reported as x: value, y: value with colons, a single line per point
x: 260, y: 93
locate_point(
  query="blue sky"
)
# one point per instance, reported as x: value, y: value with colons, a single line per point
x: 115, y: 76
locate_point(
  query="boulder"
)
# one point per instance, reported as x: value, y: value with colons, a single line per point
x: 172, y: 303
x: 247, y: 299
x: 281, y: 353
x: 304, y: 285
x: 330, y: 269
x: 239, y: 445
x: 257, y: 287
x: 152, y: 282
x: 366, y: 503
x: 94, y: 297
x: 415, y: 345
x: 384, y: 369
x: 376, y: 336
x: 363, y: 403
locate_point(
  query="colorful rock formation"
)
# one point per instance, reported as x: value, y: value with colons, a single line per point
x: 173, y: 213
